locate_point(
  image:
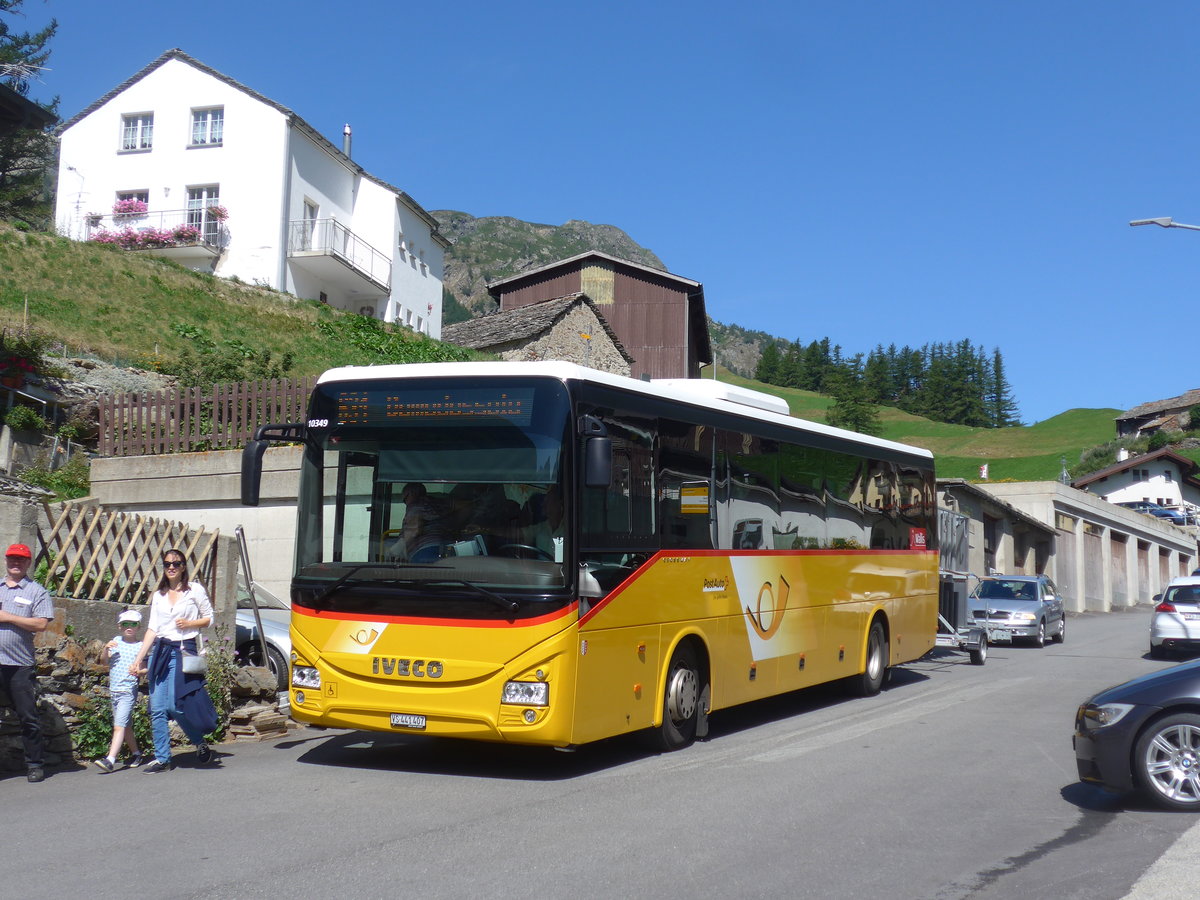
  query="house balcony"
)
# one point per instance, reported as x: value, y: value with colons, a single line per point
x: 331, y: 252
x: 185, y: 235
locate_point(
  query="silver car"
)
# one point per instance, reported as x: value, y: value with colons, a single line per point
x: 1019, y: 607
x: 276, y: 618
x: 1175, y: 624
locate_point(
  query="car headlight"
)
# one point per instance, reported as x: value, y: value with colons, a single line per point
x: 305, y: 677
x: 526, y: 693
x: 1023, y: 617
x: 1102, y: 716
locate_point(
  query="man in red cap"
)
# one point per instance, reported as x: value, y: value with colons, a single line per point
x: 25, y: 610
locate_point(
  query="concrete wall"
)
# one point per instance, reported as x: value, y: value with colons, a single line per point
x: 204, y: 489
x: 1105, y: 556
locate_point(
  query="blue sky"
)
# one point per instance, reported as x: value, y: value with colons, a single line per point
x: 868, y: 172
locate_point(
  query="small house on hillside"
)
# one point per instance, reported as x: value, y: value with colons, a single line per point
x: 1172, y: 414
x: 183, y: 161
x: 568, y: 328
x: 1163, y: 478
x: 658, y: 317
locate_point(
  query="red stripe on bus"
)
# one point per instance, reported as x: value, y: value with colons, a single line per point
x: 419, y: 620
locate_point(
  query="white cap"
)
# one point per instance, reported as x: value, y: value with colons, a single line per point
x: 130, y: 615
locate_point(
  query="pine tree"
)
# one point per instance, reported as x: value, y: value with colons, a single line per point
x: 1002, y: 405
x: 851, y: 409
x: 767, y: 370
x: 26, y: 153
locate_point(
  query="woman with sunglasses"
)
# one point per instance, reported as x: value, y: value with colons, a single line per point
x: 178, y: 610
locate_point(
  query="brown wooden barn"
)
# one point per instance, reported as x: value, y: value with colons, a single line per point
x: 658, y: 317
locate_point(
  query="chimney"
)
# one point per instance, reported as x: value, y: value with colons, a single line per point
x: 1122, y: 454
x: 346, y: 139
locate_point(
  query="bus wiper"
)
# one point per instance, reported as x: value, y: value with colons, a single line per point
x: 350, y: 572
x: 502, y: 602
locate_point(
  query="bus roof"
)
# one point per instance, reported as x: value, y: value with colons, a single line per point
x: 706, y: 393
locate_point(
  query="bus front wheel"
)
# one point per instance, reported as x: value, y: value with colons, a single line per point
x: 681, y: 701
x: 869, y: 683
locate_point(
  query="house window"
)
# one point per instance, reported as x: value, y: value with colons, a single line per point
x: 137, y: 131
x: 143, y: 196
x: 208, y: 126
x: 200, y: 202
x: 1167, y: 475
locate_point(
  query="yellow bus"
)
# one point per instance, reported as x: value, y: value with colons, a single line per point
x: 541, y: 553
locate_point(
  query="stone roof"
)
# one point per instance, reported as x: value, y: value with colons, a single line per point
x: 292, y: 117
x: 1183, y: 401
x: 523, y: 323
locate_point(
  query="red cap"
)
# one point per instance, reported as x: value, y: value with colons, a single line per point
x: 18, y: 550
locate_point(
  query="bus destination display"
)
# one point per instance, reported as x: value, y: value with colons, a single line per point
x: 417, y: 406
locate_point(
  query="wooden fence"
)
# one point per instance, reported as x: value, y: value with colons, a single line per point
x: 93, y: 554
x: 185, y: 419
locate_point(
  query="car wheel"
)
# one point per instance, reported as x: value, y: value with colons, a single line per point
x: 682, y: 695
x: 1158, y: 651
x: 1061, y: 637
x: 251, y: 655
x: 1166, y: 761
x: 1040, y: 640
x: 869, y: 683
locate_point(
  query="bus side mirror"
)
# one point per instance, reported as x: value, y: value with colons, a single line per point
x: 252, y: 457
x: 597, y: 462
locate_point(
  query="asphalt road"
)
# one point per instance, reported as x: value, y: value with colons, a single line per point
x: 958, y: 781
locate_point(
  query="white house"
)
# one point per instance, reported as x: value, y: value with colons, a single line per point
x: 183, y: 161
x: 1163, y: 478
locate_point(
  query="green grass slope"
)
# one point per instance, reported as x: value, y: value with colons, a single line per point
x: 120, y: 306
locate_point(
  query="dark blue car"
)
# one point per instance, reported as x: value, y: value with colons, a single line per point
x: 1145, y: 735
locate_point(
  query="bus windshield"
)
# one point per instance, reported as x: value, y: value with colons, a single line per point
x: 453, y: 485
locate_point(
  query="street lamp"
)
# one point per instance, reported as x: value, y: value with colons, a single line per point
x: 1165, y: 222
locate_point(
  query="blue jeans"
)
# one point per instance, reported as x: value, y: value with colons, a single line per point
x: 162, y: 704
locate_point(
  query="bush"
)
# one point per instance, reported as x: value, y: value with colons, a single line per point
x: 69, y: 482
x: 22, y: 418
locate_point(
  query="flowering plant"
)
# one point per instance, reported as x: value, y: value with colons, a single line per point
x: 218, y: 213
x: 185, y: 234
x: 130, y: 206
x: 147, y: 238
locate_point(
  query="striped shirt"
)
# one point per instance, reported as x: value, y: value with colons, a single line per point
x: 27, y: 599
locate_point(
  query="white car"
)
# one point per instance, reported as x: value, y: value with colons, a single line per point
x: 1175, y: 624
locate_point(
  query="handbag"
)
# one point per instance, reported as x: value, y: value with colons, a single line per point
x: 195, y: 663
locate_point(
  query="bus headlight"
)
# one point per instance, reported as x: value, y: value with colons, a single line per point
x: 526, y: 693
x: 305, y: 677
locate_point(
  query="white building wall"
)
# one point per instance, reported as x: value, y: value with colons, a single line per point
x: 265, y: 168
x: 418, y: 267
x: 246, y: 165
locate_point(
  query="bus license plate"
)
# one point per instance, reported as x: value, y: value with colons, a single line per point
x: 408, y: 720
x: 999, y: 634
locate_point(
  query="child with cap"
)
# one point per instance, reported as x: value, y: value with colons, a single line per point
x: 122, y: 685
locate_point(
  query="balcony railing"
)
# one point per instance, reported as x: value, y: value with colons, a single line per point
x: 328, y: 237
x: 158, y: 229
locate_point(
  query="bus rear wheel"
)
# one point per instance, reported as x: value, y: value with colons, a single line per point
x: 869, y: 683
x: 681, y: 701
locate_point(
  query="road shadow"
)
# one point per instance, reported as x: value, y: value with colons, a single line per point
x: 416, y: 753
x: 1093, y: 798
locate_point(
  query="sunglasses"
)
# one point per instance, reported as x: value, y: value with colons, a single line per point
x: 172, y: 563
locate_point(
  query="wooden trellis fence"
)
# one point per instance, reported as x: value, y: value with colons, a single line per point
x: 185, y: 419
x: 94, y: 554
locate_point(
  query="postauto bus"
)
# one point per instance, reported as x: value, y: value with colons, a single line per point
x: 611, y: 555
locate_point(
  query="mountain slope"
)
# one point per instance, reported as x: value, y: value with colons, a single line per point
x: 498, y: 246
